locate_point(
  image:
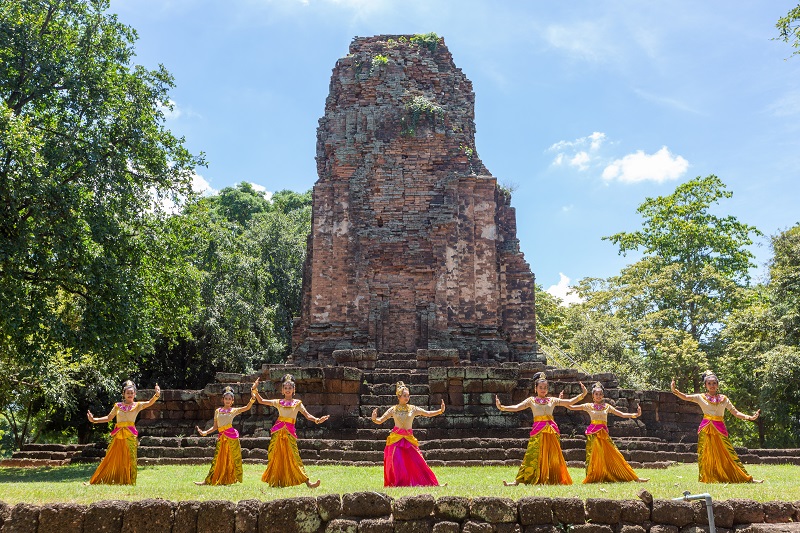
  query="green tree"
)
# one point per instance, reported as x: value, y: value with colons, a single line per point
x: 676, y: 297
x: 84, y: 161
x: 789, y: 29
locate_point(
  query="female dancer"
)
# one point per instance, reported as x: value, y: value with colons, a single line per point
x: 226, y: 468
x: 284, y: 467
x: 543, y: 463
x: 604, y: 463
x: 716, y: 457
x: 118, y: 467
x: 403, y: 465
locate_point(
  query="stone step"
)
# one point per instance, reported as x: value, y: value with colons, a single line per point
x: 24, y: 462
x: 395, y: 364
x: 391, y: 399
x: 38, y: 454
x: 43, y: 447
x: 384, y: 389
x: 397, y: 356
x: 408, y: 377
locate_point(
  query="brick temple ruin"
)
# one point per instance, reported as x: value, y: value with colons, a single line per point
x: 413, y: 243
x: 413, y: 273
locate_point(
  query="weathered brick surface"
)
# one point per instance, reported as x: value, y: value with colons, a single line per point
x: 451, y: 508
x: 341, y: 525
x: 295, y: 515
x: 185, y: 519
x: 61, y: 517
x: 105, y: 516
x: 329, y: 506
x: 676, y: 513
x: 603, y: 511
x: 535, y: 511
x: 634, y: 511
x: 413, y: 244
x: 569, y: 511
x: 366, y: 504
x: 493, y: 510
x: 148, y: 515
x: 247, y: 513
x: 23, y: 518
x: 413, y: 507
x: 747, y: 511
x: 216, y: 516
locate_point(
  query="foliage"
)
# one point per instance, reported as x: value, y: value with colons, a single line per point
x: 379, y: 60
x: 688, y: 282
x: 84, y: 161
x: 784, y: 283
x: 789, y: 29
x: 419, y: 107
x: 250, y: 258
x: 427, y: 40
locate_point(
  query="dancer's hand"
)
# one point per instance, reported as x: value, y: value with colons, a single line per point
x: 90, y: 416
x: 672, y: 385
x: 561, y: 394
x: 158, y: 392
x: 442, y: 409
x: 375, y: 415
x: 638, y: 411
x: 497, y: 402
x: 255, y: 386
x: 200, y: 431
x: 583, y: 389
x: 755, y: 416
x: 322, y: 419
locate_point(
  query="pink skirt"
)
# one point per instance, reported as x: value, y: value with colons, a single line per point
x: 403, y: 465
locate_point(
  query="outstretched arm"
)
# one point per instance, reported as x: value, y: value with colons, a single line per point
x: 521, y: 406
x: 678, y: 393
x: 254, y: 393
x: 384, y: 417
x: 579, y: 407
x: 738, y: 414
x: 102, y: 419
x: 206, y: 432
x: 423, y: 412
x: 619, y: 413
x: 579, y: 397
x: 309, y: 416
x: 155, y: 397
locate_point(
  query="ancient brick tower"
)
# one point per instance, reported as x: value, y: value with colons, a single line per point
x: 413, y: 244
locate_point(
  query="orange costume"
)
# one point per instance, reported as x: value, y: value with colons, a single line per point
x: 716, y: 458
x: 604, y: 462
x: 544, y: 463
x: 226, y: 468
x: 118, y: 467
x: 284, y: 467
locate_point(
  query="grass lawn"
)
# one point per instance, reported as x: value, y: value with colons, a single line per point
x: 65, y: 484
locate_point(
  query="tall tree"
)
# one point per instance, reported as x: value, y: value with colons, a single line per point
x: 688, y: 281
x: 84, y: 160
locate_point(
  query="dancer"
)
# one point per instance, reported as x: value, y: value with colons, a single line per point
x: 284, y: 467
x: 403, y: 464
x: 226, y: 468
x: 716, y: 458
x: 543, y: 463
x: 118, y: 467
x: 604, y: 463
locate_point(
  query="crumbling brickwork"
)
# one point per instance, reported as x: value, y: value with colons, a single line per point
x: 413, y: 243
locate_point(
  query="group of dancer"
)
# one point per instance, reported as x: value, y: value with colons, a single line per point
x: 403, y: 464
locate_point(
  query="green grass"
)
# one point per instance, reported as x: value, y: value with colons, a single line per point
x: 65, y: 484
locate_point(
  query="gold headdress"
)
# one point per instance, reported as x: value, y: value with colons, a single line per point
x: 399, y: 388
x: 288, y: 378
x: 709, y: 374
x: 598, y: 385
x: 541, y: 376
x: 227, y: 391
x: 129, y: 385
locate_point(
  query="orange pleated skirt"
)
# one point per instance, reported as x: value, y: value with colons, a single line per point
x: 226, y: 468
x: 118, y: 467
x: 717, y: 460
x: 544, y: 463
x: 284, y: 467
x: 604, y: 462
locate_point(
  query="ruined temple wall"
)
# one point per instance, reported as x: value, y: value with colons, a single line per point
x: 407, y: 250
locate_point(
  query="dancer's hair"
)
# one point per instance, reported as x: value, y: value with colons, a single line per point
x: 288, y: 378
x: 399, y: 388
x: 598, y: 386
x: 709, y: 374
x: 227, y: 391
x: 129, y: 385
x: 541, y: 376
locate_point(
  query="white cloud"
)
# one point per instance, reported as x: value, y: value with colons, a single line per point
x: 787, y: 105
x: 579, y: 153
x: 639, y: 166
x: 564, y: 292
x: 588, y: 41
x: 171, y: 110
x: 263, y: 190
x: 201, y: 186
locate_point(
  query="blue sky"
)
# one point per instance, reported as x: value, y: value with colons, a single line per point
x: 586, y: 108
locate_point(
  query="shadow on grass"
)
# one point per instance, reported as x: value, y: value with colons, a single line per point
x: 58, y: 474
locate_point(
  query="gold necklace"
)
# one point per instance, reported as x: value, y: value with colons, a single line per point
x: 402, y: 408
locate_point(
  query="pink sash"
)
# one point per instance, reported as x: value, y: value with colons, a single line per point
x: 280, y: 424
x: 594, y: 428
x: 720, y: 425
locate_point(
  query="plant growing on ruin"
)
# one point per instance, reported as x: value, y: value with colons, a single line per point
x: 428, y: 40
x: 379, y: 61
x: 419, y: 107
